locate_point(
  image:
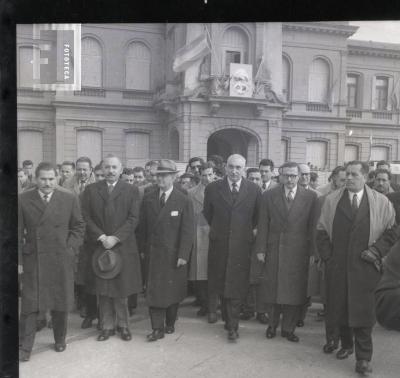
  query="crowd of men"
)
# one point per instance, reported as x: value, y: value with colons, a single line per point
x: 250, y: 243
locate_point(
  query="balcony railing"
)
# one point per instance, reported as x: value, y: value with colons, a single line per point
x: 354, y: 113
x: 317, y: 107
x: 382, y: 115
x: 27, y: 92
x: 138, y: 95
x: 94, y: 92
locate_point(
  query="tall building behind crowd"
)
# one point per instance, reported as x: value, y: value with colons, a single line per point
x: 322, y: 97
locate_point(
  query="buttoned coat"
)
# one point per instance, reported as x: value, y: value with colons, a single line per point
x: 199, y: 257
x: 72, y: 184
x: 350, y: 280
x: 286, y: 237
x: 231, y: 236
x: 166, y: 234
x: 50, y: 235
x: 113, y: 214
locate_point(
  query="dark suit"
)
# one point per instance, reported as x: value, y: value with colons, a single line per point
x: 166, y: 234
x: 395, y: 200
x: 50, y: 235
x: 285, y: 235
x: 232, y: 222
x: 113, y: 214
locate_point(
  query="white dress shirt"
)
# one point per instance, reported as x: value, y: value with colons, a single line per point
x: 294, y: 191
x: 238, y: 183
x: 41, y: 194
x: 359, y: 196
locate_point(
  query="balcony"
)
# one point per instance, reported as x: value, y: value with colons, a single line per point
x: 138, y: 95
x: 317, y: 107
x: 92, y: 92
x: 382, y: 115
x: 28, y: 92
x: 353, y: 113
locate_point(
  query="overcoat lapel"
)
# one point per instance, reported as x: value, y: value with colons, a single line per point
x: 363, y: 210
x: 242, y: 193
x: 50, y: 207
x: 280, y: 204
x: 103, y: 190
x: 344, y: 205
x: 168, y: 207
x: 298, y: 202
x: 116, y: 191
x: 225, y: 191
x: 37, y: 201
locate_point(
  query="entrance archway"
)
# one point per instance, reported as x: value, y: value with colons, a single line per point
x: 233, y: 141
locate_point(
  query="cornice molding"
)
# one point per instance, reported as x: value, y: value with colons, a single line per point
x: 373, y: 51
x: 321, y: 27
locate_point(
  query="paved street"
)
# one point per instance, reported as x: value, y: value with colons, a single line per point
x: 199, y: 349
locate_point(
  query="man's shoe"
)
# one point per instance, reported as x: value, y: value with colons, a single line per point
x: 105, y: 334
x: 202, y: 312
x: 262, y: 318
x: 270, y: 332
x: 343, y: 353
x: 124, y: 333
x: 24, y: 355
x: 363, y: 367
x: 300, y: 323
x: 169, y: 329
x: 330, y: 346
x: 290, y: 336
x: 233, y: 335
x: 40, y: 324
x: 246, y: 315
x: 212, y: 317
x: 87, y: 323
x: 155, y: 335
x: 60, y: 347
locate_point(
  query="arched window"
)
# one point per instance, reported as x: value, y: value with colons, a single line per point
x: 25, y: 67
x: 316, y: 153
x: 92, y: 66
x: 137, y: 148
x: 285, y: 78
x: 379, y: 153
x: 235, y: 47
x: 318, y: 81
x: 90, y: 143
x: 137, y: 66
x: 30, y: 146
x: 353, y: 92
x: 350, y: 152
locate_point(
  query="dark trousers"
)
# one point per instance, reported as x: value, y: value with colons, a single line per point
x: 132, y: 301
x: 254, y: 301
x: 213, y: 301
x: 113, y: 311
x: 304, y: 309
x: 28, y: 328
x: 290, y: 316
x: 90, y: 303
x: 231, y: 312
x: 201, y: 288
x: 161, y: 317
x: 362, y: 340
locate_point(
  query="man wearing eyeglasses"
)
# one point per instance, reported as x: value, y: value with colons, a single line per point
x: 284, y: 243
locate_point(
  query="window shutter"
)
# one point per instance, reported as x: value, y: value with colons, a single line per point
x: 89, y: 143
x: 390, y: 93
x: 30, y: 146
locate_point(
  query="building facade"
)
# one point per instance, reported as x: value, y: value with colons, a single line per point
x: 319, y: 96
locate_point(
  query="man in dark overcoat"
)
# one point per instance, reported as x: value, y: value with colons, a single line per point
x: 166, y: 234
x: 231, y: 209
x: 110, y: 209
x: 284, y: 243
x: 352, y: 238
x: 51, y: 230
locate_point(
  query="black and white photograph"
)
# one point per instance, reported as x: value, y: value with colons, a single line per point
x: 208, y: 199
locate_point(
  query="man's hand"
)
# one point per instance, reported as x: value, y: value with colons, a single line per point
x: 261, y: 257
x: 254, y: 232
x: 373, y: 257
x: 110, y: 241
x: 181, y: 262
x: 20, y: 269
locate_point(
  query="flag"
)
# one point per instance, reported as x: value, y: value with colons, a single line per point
x: 370, y: 147
x: 187, y: 55
x: 394, y: 97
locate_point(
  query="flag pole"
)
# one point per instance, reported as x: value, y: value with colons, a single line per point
x: 213, y: 50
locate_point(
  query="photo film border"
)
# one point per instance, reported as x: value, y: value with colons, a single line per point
x: 61, y: 61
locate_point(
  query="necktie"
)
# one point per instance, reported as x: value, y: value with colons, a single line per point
x: 46, y: 199
x: 81, y: 186
x: 290, y: 198
x: 264, y: 186
x: 162, y: 200
x: 354, y: 205
x: 235, y: 192
x: 110, y: 188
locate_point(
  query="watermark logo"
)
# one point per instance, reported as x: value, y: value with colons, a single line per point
x: 57, y: 60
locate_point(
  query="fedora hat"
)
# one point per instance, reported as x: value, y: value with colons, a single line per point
x: 106, y: 263
x: 166, y: 166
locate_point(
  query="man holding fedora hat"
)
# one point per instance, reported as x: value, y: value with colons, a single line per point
x: 110, y: 208
x: 166, y: 232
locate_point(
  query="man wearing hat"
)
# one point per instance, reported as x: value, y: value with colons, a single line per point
x: 110, y: 208
x: 166, y: 234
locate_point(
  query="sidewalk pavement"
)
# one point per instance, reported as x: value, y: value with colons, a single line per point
x: 199, y: 349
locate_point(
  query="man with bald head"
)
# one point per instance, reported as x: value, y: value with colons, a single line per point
x: 111, y: 211
x: 231, y: 209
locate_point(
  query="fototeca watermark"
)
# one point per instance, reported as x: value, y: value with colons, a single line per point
x: 57, y: 57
